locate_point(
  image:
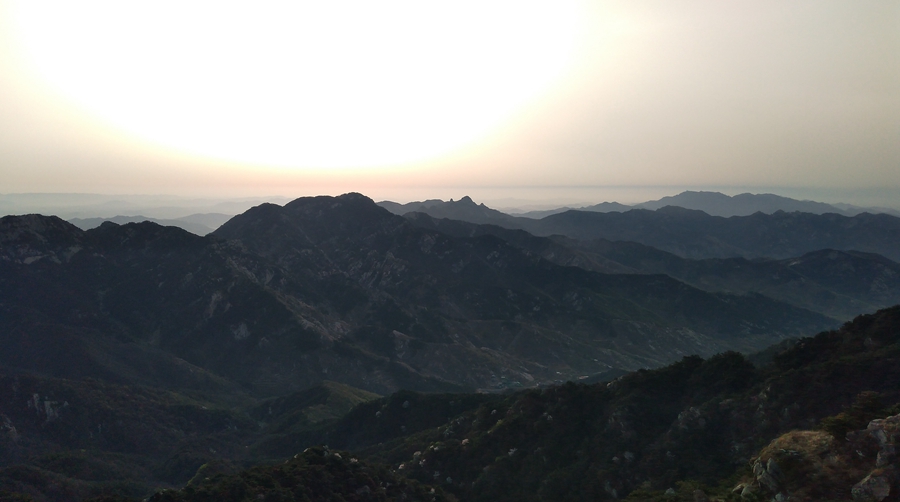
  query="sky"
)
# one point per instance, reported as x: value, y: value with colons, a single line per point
x: 506, y: 101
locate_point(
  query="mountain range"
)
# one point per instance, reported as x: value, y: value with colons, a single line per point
x: 200, y: 224
x: 90, y: 211
x: 839, y: 284
x: 745, y: 204
x: 140, y: 356
x: 358, y: 295
x: 695, y: 234
x: 712, y: 203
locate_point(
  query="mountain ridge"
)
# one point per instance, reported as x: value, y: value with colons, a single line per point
x: 363, y: 297
x: 139, y: 356
x: 692, y: 233
x: 712, y: 203
x: 841, y: 284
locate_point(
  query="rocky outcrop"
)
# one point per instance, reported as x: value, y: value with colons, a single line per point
x: 32, y: 238
x: 886, y: 432
x: 768, y: 474
x: 812, y: 465
x: 884, y: 480
x: 876, y: 486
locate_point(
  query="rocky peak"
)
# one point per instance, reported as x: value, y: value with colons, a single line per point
x: 812, y: 465
x: 310, y: 220
x: 143, y: 235
x: 30, y: 238
x: 36, y: 227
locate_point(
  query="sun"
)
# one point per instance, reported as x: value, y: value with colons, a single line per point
x: 338, y: 84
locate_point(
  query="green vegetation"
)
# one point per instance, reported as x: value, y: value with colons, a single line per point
x: 694, y: 424
x: 657, y: 434
x: 866, y: 407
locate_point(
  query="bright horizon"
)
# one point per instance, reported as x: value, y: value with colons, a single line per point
x: 562, y: 103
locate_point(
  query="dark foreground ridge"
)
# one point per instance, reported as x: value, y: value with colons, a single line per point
x: 798, y: 423
x: 696, y: 424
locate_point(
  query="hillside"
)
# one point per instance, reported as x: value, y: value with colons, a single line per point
x: 314, y: 474
x: 695, y: 234
x: 697, y: 423
x: 652, y: 435
x: 839, y: 284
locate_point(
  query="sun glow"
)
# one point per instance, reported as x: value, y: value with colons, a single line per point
x: 302, y: 84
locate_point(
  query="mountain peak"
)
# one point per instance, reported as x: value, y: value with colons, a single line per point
x: 36, y: 227
x: 308, y: 220
x: 347, y: 198
x: 31, y: 237
x: 354, y: 197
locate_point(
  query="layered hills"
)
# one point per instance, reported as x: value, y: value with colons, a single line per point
x: 712, y: 203
x: 200, y: 224
x: 813, y: 420
x: 695, y: 234
x: 745, y: 204
x: 839, y: 284
x: 280, y: 298
x: 138, y: 357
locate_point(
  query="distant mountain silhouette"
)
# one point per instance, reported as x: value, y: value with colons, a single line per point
x: 603, y: 207
x: 719, y: 204
x: 692, y: 233
x: 464, y: 209
x: 695, y: 234
x: 199, y: 224
x: 712, y: 203
x: 745, y: 204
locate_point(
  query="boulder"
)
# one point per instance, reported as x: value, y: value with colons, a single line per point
x: 875, y: 486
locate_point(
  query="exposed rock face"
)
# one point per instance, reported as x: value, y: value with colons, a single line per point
x: 768, y: 474
x: 31, y: 238
x: 811, y: 465
x: 880, y: 483
x: 875, y: 486
x: 886, y: 431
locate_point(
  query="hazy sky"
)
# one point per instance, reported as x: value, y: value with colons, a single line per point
x: 572, y: 101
